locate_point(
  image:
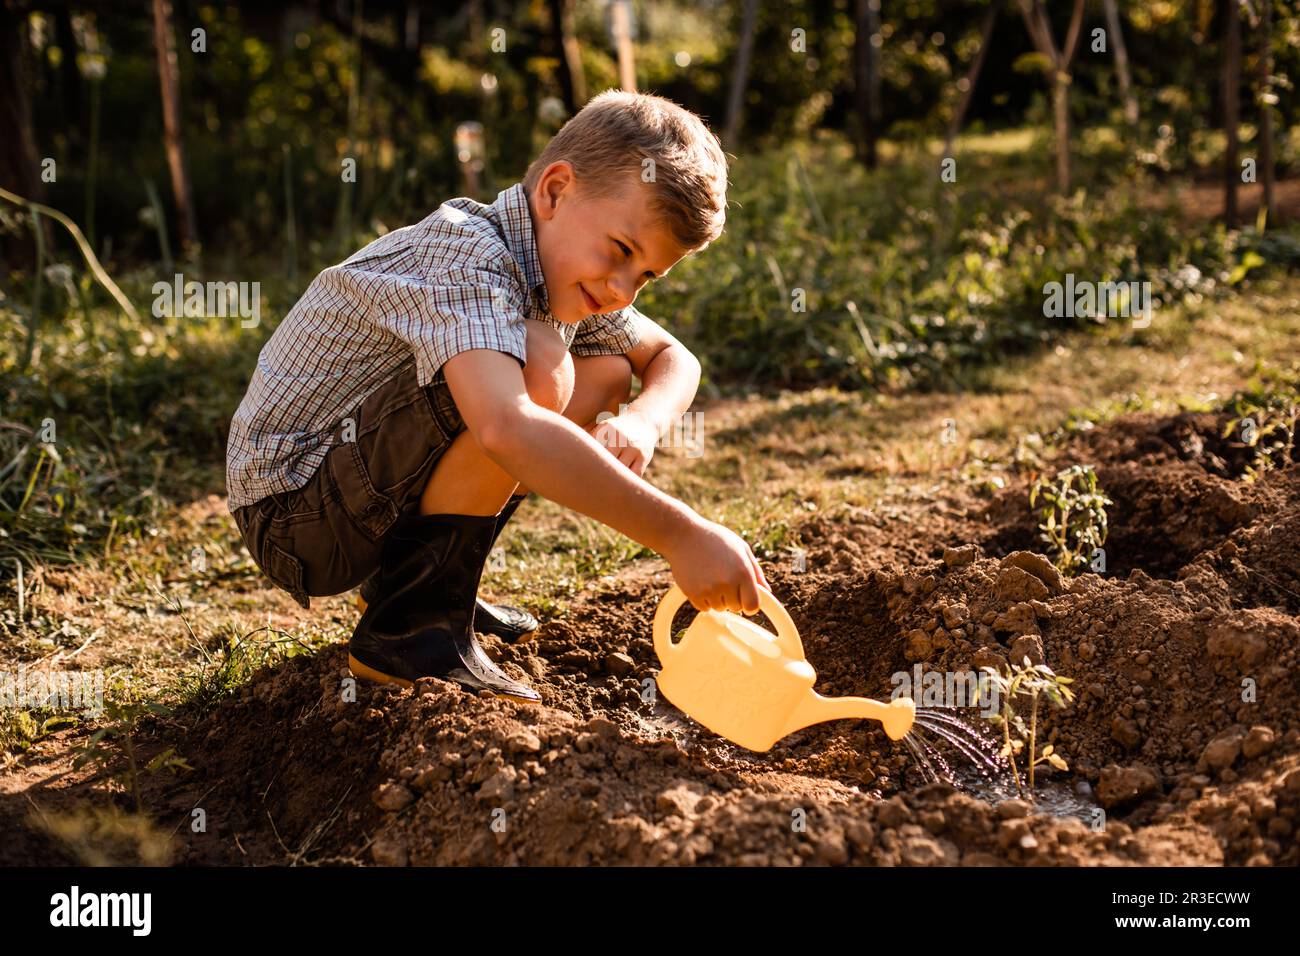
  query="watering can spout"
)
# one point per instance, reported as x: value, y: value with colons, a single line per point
x: 897, y: 716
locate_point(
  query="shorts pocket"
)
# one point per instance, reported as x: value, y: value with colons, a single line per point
x: 285, y: 570
x: 286, y: 508
x: 372, y: 512
x: 399, y: 438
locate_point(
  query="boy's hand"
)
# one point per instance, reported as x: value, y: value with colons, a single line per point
x: 630, y: 437
x: 716, y: 570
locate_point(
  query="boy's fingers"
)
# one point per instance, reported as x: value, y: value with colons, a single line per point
x: 735, y: 600
x: 758, y: 569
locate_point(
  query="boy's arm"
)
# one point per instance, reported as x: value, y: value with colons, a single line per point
x: 556, y: 458
x: 668, y: 372
x: 714, y: 567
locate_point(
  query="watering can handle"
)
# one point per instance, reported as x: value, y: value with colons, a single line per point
x: 787, y: 635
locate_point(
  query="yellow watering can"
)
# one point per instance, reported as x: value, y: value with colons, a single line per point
x: 749, y: 686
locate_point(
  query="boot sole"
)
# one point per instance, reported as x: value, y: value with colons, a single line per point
x: 523, y: 638
x: 379, y: 677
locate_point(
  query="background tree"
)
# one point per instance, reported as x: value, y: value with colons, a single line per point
x: 1057, y: 69
x: 282, y: 75
x: 1231, y: 110
x: 174, y: 140
x: 19, y: 170
x: 867, y: 44
x: 966, y: 88
x: 1264, y: 99
x: 740, y: 75
x: 573, y: 83
x: 1121, y: 61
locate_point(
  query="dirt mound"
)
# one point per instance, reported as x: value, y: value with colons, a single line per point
x: 1175, y: 484
x: 1183, y: 745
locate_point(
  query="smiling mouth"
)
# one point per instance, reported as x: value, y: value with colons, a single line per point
x: 591, y: 303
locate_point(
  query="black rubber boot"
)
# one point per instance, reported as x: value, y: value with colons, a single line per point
x: 420, y: 623
x: 511, y: 624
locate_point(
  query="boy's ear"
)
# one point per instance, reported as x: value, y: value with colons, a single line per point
x: 557, y: 179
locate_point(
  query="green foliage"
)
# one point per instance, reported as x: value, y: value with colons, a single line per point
x: 238, y: 658
x: 1037, y: 682
x: 296, y: 77
x: 122, y: 715
x: 1258, y: 249
x: 106, y: 427
x: 902, y: 281
x: 1264, y: 417
x: 1073, y: 515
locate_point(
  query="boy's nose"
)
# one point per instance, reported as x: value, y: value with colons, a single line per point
x: 617, y: 295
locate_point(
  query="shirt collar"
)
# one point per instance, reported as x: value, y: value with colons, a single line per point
x: 517, y: 222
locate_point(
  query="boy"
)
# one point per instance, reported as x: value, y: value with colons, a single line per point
x: 400, y: 404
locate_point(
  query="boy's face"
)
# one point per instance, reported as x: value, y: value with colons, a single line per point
x: 596, y: 253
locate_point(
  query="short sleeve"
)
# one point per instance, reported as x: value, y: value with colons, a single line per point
x: 613, y: 333
x: 453, y: 311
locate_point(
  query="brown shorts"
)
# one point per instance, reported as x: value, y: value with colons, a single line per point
x: 326, y: 537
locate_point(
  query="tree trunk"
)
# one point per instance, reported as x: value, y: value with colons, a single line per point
x: 411, y: 28
x: 573, y: 83
x: 1058, y: 74
x: 621, y: 11
x: 1121, y: 62
x: 169, y: 76
x: 972, y: 78
x: 69, y: 75
x: 873, y: 68
x: 740, y: 75
x: 344, y: 211
x: 1061, y: 120
x: 866, y: 79
x: 19, y: 169
x: 1231, y: 94
x: 1266, y: 111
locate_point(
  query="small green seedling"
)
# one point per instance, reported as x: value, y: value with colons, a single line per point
x: 1034, y: 681
x: 1073, y: 515
x: 1267, y: 428
x: 122, y: 718
x: 1264, y: 416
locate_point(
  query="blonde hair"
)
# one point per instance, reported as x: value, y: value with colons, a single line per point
x: 614, y: 135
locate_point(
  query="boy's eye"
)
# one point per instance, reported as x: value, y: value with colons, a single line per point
x: 628, y: 252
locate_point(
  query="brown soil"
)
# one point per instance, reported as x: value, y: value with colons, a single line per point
x: 1198, y: 607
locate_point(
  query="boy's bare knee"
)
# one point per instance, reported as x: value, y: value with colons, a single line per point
x: 548, y: 372
x: 614, y: 373
x: 605, y: 378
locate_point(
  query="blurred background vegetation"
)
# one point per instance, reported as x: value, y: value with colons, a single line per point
x: 282, y: 92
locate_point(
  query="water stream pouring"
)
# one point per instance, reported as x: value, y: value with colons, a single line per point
x: 748, y: 685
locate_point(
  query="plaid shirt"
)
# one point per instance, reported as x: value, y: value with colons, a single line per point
x: 466, y: 277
